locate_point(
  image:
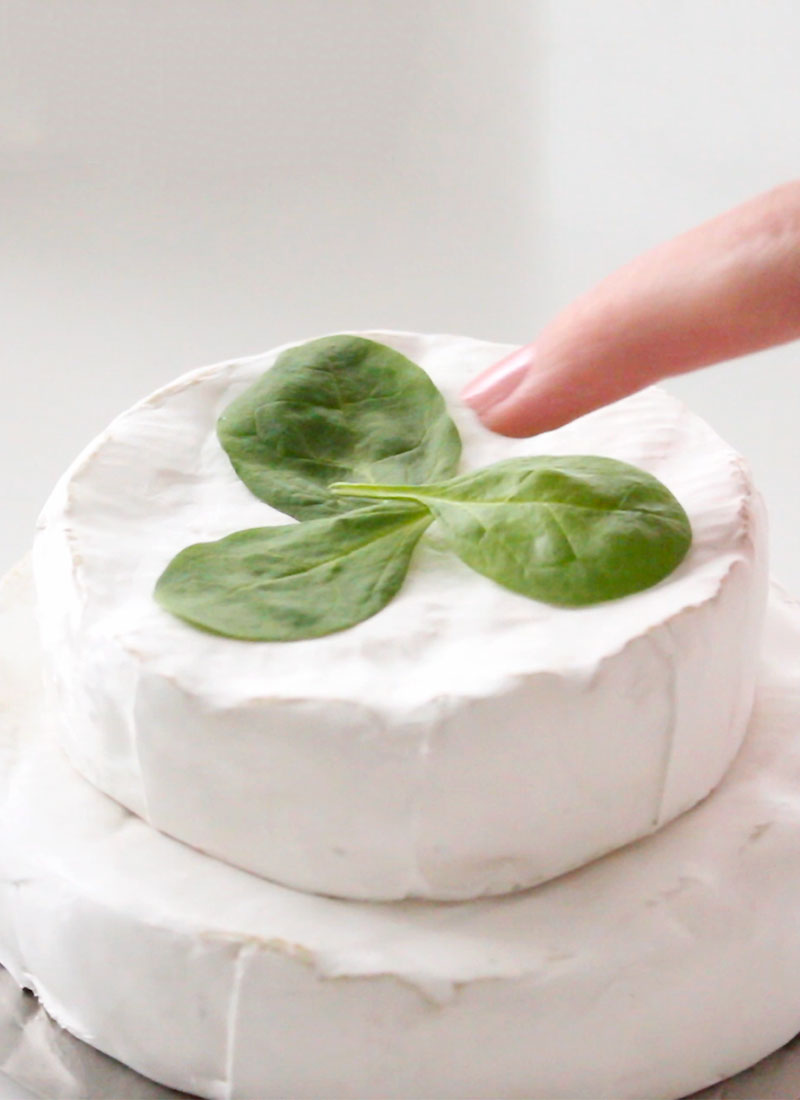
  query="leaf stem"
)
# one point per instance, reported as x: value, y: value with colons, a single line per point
x: 376, y: 492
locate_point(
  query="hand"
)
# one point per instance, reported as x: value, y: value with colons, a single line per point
x: 729, y: 287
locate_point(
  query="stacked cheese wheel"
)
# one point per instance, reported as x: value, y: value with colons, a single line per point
x: 364, y: 898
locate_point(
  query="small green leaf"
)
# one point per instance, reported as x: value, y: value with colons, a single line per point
x: 301, y: 580
x: 571, y: 531
x: 341, y: 408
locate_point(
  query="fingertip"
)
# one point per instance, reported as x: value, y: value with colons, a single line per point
x: 518, y: 396
x: 530, y: 413
x: 499, y: 382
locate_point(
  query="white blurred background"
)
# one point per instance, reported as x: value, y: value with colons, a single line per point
x: 183, y: 181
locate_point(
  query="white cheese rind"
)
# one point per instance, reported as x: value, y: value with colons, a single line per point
x: 465, y: 741
x: 655, y: 971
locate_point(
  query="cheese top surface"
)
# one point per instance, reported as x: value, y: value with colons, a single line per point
x: 465, y: 740
x: 583, y: 987
x: 158, y: 480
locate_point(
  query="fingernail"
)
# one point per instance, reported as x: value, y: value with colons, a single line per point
x: 499, y: 381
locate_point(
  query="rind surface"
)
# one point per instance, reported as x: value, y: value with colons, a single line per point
x: 464, y: 741
x: 655, y: 971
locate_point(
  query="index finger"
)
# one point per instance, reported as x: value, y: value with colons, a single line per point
x: 726, y: 288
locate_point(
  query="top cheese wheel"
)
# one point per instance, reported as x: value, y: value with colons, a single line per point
x: 464, y: 741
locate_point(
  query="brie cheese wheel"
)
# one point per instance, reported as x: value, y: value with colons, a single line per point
x: 657, y: 970
x: 465, y: 740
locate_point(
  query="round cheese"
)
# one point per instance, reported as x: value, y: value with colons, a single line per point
x: 466, y: 740
x: 655, y: 971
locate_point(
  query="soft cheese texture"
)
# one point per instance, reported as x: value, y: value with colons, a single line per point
x: 466, y: 740
x: 652, y: 972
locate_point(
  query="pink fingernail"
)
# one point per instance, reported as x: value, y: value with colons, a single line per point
x: 499, y: 381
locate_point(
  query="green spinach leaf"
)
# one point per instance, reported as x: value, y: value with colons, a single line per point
x: 354, y: 439
x: 301, y: 580
x: 572, y: 530
x: 341, y: 408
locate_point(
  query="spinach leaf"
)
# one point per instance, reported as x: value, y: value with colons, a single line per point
x: 301, y: 580
x: 570, y: 531
x: 353, y: 438
x: 341, y: 408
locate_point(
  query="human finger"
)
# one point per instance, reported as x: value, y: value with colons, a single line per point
x: 726, y: 288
